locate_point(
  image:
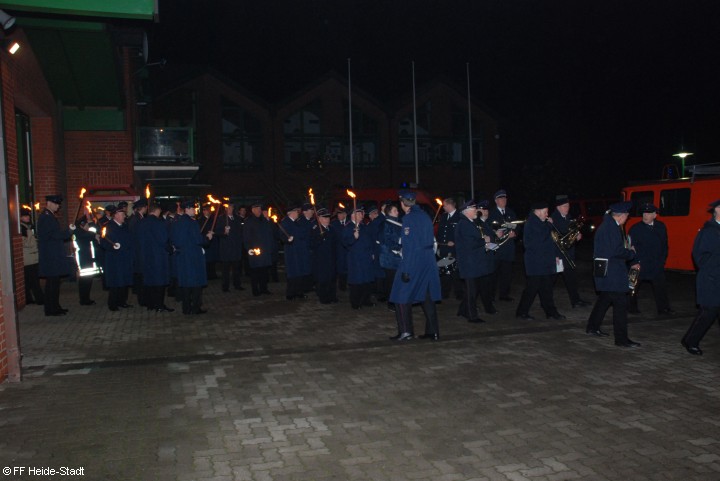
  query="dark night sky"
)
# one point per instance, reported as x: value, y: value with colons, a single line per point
x: 608, y: 88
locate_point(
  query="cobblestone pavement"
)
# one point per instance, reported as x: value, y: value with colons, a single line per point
x: 265, y: 389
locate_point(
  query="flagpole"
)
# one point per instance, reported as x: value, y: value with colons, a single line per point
x: 352, y: 175
x: 472, y: 175
x: 417, y: 171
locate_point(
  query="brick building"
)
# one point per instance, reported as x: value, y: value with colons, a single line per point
x: 68, y: 122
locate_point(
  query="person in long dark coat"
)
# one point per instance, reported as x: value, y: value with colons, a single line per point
x: 33, y: 290
x: 53, y: 261
x: 155, y: 243
x: 189, y: 246
x: 390, y: 249
x: 139, y: 213
x: 417, y: 279
x: 541, y: 263
x: 360, y: 246
x: 487, y: 285
x: 446, y: 247
x: 297, y: 253
x: 118, y: 245
x: 212, y: 252
x: 474, y: 264
x: 170, y: 216
x: 612, y: 250
x: 277, y: 233
x: 258, y: 241
x: 228, y: 231
x: 505, y: 254
x: 562, y: 221
x: 338, y: 225
x: 323, y: 245
x: 305, y: 224
x: 706, y: 254
x: 375, y: 229
x: 650, y: 240
x: 86, y: 235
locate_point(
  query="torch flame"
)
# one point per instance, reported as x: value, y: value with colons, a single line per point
x: 37, y: 205
x: 351, y: 193
x: 312, y: 196
x: 88, y: 206
x: 147, y: 191
x: 439, y: 202
x: 340, y: 204
x: 213, y: 200
x: 212, y: 208
x: 270, y: 212
x: 226, y: 198
x: 274, y: 218
x: 25, y: 206
x: 82, y: 192
x: 104, y: 229
x: 256, y: 251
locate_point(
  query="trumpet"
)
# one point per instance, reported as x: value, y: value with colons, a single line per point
x: 557, y: 239
x: 508, y: 226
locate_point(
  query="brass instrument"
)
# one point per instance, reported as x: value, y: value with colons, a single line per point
x: 570, y: 238
x: 633, y: 274
x: 508, y: 226
x: 557, y: 239
x: 489, y: 246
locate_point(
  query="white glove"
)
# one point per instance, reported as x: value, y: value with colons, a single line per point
x: 251, y: 252
x: 72, y: 227
x: 116, y: 245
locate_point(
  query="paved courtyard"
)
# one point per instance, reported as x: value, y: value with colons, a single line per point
x: 264, y: 389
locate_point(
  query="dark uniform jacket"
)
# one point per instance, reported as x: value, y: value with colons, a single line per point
x: 651, y: 246
x: 418, y: 265
x: 230, y: 245
x: 610, y: 244
x: 359, y: 254
x: 118, y: 264
x: 169, y: 223
x: 375, y: 228
x: 339, y: 228
x: 562, y: 224
x: 212, y: 248
x: 189, y: 242
x: 506, y: 252
x: 446, y: 233
x: 706, y: 254
x: 154, y: 241
x: 298, y: 258
x: 86, y: 245
x: 540, y: 250
x: 324, y: 255
x: 258, y: 233
x: 133, y: 222
x: 472, y: 258
x: 51, y: 246
x: 390, y: 245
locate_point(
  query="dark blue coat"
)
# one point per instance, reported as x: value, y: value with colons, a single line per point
x: 506, y: 252
x: 324, y: 255
x: 212, y: 248
x: 390, y: 245
x: 610, y: 245
x: 154, y: 241
x: 376, y: 231
x: 169, y: 223
x: 258, y: 233
x: 706, y: 254
x: 562, y: 224
x: 230, y: 245
x: 472, y: 259
x: 52, y: 258
x: 132, y: 223
x: 540, y: 250
x: 339, y: 228
x: 189, y: 242
x: 118, y: 263
x: 359, y: 254
x: 446, y: 233
x: 651, y: 247
x: 298, y: 258
x: 418, y: 261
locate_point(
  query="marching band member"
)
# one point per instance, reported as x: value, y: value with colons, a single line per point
x: 561, y: 221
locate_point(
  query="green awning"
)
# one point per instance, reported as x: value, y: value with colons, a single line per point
x: 135, y: 9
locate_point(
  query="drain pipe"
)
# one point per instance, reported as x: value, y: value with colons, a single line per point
x: 6, y: 264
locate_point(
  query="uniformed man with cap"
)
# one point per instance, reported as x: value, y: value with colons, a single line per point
x: 540, y: 264
x: 360, y: 247
x: 228, y: 230
x: 323, y: 244
x: 297, y: 253
x: 139, y: 212
x: 446, y: 247
x: 417, y: 279
x: 473, y: 259
x: 501, y: 216
x: 650, y: 240
x: 487, y: 283
x: 562, y: 221
x: 212, y: 251
x: 612, y: 255
x: 119, y: 251
x: 375, y: 230
x: 86, y: 235
x: 53, y: 260
x: 156, y: 250
x: 259, y: 240
x: 338, y: 225
x: 275, y: 252
x: 33, y: 290
x: 189, y: 248
x: 304, y: 224
x: 706, y: 254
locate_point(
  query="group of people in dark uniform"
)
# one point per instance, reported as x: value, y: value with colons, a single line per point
x: 392, y: 254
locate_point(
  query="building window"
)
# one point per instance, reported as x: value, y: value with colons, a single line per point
x: 242, y: 138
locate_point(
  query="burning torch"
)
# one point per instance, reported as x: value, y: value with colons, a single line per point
x: 312, y: 202
x: 354, y: 198
x: 80, y: 205
x: 437, y: 213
